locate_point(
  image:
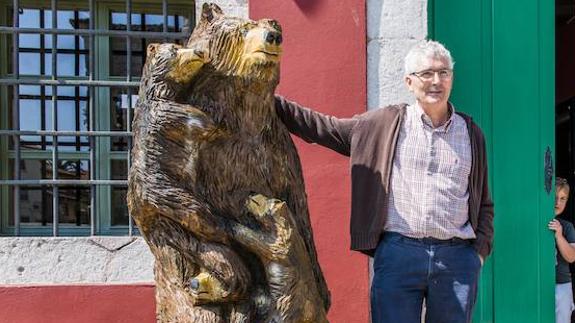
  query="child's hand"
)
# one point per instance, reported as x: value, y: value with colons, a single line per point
x: 555, y: 225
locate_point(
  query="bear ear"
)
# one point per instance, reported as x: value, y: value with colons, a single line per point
x: 210, y: 11
x: 151, y: 50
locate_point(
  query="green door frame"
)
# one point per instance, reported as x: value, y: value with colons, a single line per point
x: 504, y: 78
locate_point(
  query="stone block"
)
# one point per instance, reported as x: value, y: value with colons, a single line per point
x: 385, y: 77
x: 74, y: 260
x: 396, y: 19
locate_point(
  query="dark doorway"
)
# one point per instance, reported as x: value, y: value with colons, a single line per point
x: 565, y: 102
x: 565, y: 95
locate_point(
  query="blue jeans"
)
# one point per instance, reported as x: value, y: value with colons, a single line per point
x: 563, y: 303
x: 407, y: 271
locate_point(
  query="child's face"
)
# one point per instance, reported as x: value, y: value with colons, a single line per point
x: 561, y: 197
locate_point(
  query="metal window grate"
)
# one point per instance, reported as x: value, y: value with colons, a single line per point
x: 92, y: 82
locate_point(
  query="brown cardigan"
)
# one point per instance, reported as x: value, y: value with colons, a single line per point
x: 369, y: 139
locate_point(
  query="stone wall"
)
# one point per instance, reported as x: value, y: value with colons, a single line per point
x: 68, y: 260
x: 393, y: 27
x: 237, y: 8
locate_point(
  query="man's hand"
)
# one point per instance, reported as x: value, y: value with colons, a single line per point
x: 555, y: 225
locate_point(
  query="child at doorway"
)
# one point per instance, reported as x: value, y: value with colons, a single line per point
x: 565, y: 243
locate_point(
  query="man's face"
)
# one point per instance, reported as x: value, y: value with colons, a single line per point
x: 431, y: 84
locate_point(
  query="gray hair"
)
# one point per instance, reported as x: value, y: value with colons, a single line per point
x: 425, y: 49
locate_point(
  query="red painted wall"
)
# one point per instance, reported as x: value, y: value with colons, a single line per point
x: 324, y: 67
x: 77, y: 303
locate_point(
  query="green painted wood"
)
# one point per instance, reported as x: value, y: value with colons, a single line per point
x: 468, y: 36
x: 504, y: 78
x: 546, y: 70
x: 523, y: 102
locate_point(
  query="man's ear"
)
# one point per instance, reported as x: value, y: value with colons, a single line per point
x: 408, y: 82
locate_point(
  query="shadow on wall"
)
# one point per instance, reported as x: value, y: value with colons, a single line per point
x: 309, y: 7
x: 373, y: 58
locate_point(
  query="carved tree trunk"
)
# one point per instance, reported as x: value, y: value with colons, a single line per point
x: 216, y: 186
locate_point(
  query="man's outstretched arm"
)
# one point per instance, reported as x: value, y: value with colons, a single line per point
x: 312, y: 126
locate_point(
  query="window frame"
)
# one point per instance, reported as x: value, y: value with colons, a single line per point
x: 104, y: 155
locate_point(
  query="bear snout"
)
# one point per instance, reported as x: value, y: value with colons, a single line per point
x: 272, y: 37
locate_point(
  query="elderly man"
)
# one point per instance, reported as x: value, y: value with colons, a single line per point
x: 420, y: 202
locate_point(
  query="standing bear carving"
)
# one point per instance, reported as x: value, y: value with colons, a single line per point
x: 216, y: 186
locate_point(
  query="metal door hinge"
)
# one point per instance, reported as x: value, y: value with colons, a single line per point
x: 548, y: 170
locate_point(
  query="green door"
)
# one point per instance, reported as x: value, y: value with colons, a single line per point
x: 504, y: 78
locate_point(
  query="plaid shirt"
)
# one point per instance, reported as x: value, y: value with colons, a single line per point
x: 429, y: 178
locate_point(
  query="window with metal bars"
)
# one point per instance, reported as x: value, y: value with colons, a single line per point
x: 69, y: 72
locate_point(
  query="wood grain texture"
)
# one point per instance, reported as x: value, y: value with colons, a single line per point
x: 216, y: 185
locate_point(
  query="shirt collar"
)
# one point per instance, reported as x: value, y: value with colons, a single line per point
x: 419, y: 116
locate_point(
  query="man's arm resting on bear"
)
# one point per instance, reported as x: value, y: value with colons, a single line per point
x: 312, y: 126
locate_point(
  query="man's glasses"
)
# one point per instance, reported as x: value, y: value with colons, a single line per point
x: 428, y: 75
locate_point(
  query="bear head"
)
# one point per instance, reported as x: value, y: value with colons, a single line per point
x: 238, y: 47
x: 168, y: 70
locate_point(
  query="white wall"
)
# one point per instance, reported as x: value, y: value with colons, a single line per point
x: 238, y: 8
x: 75, y: 260
x: 393, y: 26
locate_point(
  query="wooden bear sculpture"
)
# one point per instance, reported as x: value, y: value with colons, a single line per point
x: 216, y: 186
